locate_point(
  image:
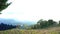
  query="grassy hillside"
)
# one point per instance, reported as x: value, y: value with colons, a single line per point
x: 54, y: 30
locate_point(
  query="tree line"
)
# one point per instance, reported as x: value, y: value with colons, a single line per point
x: 45, y: 24
x: 6, y: 26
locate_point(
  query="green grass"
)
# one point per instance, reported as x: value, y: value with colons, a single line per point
x: 55, y: 30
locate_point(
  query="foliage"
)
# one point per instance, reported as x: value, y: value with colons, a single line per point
x: 6, y: 26
x: 3, y: 4
x: 44, y: 24
x: 59, y: 23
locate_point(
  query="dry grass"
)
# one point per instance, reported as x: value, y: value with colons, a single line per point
x: 55, y: 30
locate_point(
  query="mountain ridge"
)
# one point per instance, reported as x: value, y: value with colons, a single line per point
x: 15, y: 22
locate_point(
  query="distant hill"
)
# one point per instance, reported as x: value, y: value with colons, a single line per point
x: 15, y: 22
x: 9, y: 21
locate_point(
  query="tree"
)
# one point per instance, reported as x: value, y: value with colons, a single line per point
x: 18, y: 26
x: 59, y: 23
x: 51, y: 22
x: 3, y: 5
x: 25, y: 26
x: 39, y: 21
x: 6, y: 26
x: 44, y: 24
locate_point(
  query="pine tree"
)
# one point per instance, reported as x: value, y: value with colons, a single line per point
x: 3, y: 5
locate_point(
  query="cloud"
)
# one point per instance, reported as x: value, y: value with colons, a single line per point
x: 33, y: 10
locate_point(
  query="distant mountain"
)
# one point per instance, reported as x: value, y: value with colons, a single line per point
x: 15, y: 22
x: 28, y: 22
x: 10, y: 21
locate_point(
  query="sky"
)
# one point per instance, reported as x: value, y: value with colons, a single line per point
x: 32, y: 10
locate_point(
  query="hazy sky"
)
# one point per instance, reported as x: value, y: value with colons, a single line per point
x: 33, y: 10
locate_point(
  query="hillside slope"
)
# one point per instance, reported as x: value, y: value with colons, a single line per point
x: 54, y: 30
